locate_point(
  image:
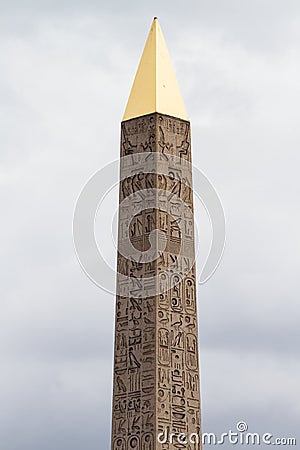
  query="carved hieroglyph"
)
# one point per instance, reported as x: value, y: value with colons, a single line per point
x: 156, y: 366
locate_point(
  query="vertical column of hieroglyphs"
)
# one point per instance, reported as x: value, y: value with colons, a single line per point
x: 178, y: 396
x: 133, y: 425
x: 156, y: 368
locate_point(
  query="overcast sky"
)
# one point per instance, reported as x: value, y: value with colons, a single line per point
x: 65, y: 75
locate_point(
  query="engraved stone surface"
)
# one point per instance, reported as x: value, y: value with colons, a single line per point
x: 156, y: 366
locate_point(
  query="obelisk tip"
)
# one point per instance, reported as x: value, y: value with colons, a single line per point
x: 155, y: 88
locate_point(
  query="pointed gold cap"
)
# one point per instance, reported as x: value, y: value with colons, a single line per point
x: 155, y: 87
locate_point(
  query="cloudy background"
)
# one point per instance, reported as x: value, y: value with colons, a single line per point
x: 66, y: 72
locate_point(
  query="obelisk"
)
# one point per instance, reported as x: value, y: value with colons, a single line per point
x: 156, y: 388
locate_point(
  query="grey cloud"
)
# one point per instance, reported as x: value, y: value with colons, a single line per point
x: 66, y: 74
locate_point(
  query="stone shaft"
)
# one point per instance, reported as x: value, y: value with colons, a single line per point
x: 156, y: 369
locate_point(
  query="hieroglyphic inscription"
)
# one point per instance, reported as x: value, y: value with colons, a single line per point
x: 156, y: 364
